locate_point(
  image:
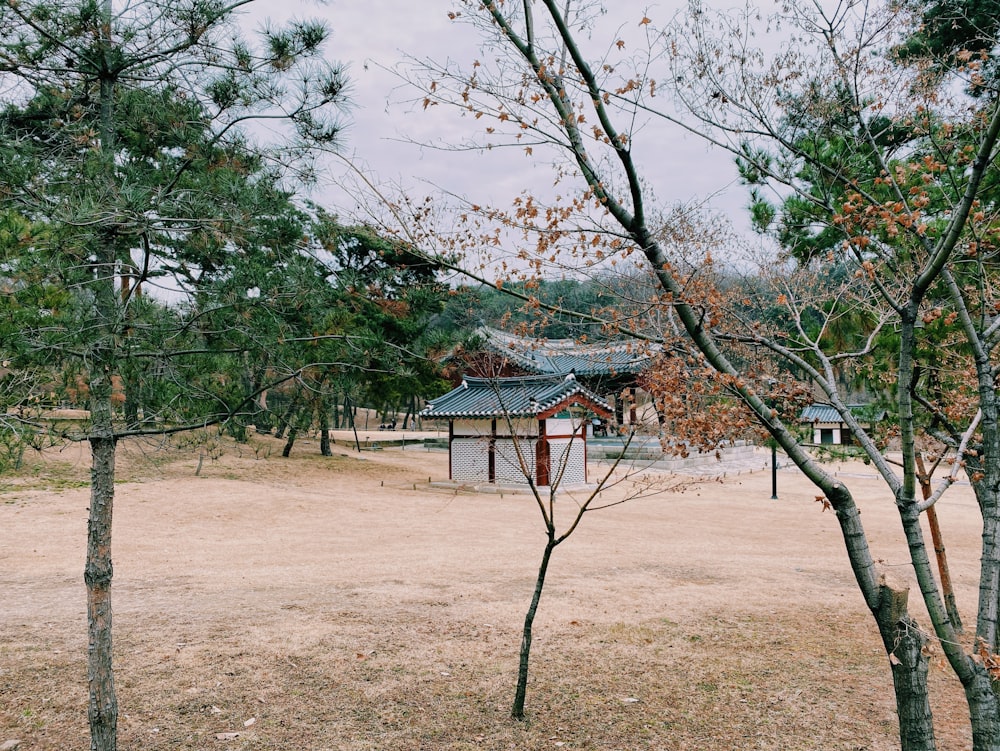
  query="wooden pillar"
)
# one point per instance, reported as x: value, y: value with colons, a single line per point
x: 451, y: 440
x: 543, y: 457
x: 491, y: 474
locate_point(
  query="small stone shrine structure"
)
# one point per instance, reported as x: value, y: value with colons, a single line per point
x: 504, y: 430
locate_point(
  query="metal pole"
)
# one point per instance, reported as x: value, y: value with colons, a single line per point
x: 774, y: 471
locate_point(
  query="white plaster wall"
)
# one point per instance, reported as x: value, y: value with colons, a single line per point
x: 573, y: 453
x: 521, y: 426
x: 562, y: 426
x: 508, y: 467
x: 472, y: 427
x: 470, y: 459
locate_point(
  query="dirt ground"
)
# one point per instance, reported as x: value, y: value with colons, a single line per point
x: 344, y: 603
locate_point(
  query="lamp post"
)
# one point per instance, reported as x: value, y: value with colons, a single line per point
x: 774, y: 470
x: 774, y: 446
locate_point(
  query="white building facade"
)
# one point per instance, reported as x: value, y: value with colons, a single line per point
x: 509, y: 431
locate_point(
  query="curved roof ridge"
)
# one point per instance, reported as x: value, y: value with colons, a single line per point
x: 533, y: 377
x: 563, y: 355
x: 514, y: 396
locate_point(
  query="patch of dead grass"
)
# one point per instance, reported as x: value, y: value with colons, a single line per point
x: 348, y: 666
x: 728, y: 681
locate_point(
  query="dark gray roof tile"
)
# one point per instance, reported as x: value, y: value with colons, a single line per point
x: 554, y: 356
x: 829, y: 413
x: 515, y: 397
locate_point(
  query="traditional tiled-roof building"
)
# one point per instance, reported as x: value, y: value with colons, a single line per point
x: 554, y: 356
x: 828, y: 426
x: 607, y: 368
x: 507, y: 430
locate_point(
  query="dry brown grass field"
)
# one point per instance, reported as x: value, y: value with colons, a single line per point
x: 344, y: 603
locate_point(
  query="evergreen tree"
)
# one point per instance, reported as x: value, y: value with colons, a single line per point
x: 126, y: 134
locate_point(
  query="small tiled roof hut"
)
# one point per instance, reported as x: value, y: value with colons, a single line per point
x: 505, y: 430
x: 829, y: 428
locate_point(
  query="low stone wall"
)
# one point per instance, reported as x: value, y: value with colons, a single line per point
x: 650, y: 454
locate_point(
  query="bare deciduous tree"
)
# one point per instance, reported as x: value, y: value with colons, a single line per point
x: 544, y: 455
x: 884, y: 165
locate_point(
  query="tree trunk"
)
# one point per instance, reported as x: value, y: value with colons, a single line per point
x: 904, y: 643
x: 909, y: 679
x: 409, y: 412
x: 299, y: 422
x: 102, y: 711
x: 102, y: 707
x: 517, y: 712
x: 286, y: 417
x: 902, y: 640
x: 947, y: 588
x: 292, y: 435
x: 980, y: 688
x: 324, y: 428
x: 983, y: 712
x: 262, y: 417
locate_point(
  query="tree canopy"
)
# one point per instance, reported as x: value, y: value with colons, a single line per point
x: 126, y: 139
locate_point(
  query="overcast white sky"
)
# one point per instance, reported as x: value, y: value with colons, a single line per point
x: 372, y: 35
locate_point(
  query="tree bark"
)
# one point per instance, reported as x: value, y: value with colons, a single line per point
x: 989, y: 581
x: 517, y: 712
x: 300, y: 421
x: 102, y: 711
x: 947, y: 588
x: 904, y: 643
x: 102, y: 708
x: 980, y: 695
x: 324, y: 427
x: 909, y: 679
x: 984, y: 712
x: 293, y: 432
x: 286, y: 417
x: 349, y: 411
